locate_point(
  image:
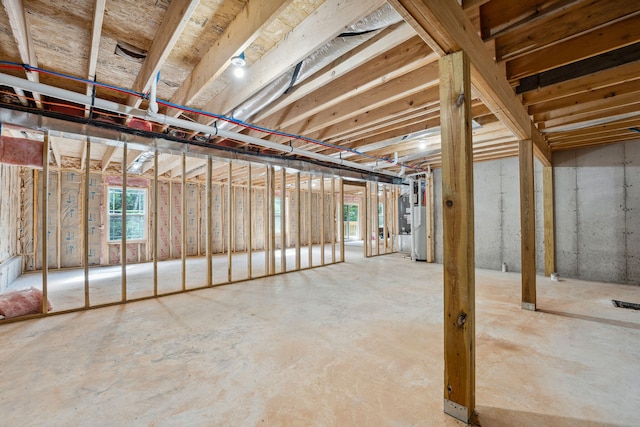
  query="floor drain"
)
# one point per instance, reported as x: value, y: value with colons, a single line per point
x: 624, y: 304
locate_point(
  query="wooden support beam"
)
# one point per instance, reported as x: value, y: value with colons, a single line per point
x: 283, y: 221
x: 272, y: 219
x: 238, y: 36
x: 310, y: 221
x: 229, y: 221
x: 57, y: 157
x: 249, y: 208
x: 175, y: 19
x: 549, y: 221
x: 458, y: 237
x: 445, y: 28
x: 341, y: 221
x: 325, y: 24
x: 322, y: 217
x: 108, y: 155
x: 431, y: 247
x: 85, y: 221
x: 45, y: 210
x: 123, y: 241
x: 298, y: 218
x: 183, y: 243
x: 527, y: 225
x: 24, y: 42
x: 333, y: 219
x: 96, y: 35
x: 156, y: 195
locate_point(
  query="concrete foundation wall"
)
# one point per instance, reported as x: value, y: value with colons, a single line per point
x: 597, y: 197
x: 497, y: 215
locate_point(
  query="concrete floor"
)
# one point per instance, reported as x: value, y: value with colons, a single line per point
x: 356, y: 343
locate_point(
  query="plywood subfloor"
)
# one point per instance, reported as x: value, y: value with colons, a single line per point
x: 357, y: 343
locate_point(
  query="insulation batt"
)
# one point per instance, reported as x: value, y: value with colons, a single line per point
x: 20, y: 151
x: 22, y: 302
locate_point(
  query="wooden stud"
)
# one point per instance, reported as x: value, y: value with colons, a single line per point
x: 310, y: 216
x: 156, y: 194
x: 341, y: 221
x: 283, y: 222
x: 272, y: 218
x: 322, y: 219
x: 265, y: 220
x: 45, y: 208
x: 209, y: 241
x: 85, y: 220
x: 367, y: 196
x: 458, y: 237
x: 332, y: 218
x: 549, y: 221
x: 249, y: 207
x: 298, y: 217
x: 528, y: 225
x: 183, y: 242
x: 385, y: 214
x: 59, y: 218
x: 123, y: 242
x: 229, y: 222
x: 431, y: 251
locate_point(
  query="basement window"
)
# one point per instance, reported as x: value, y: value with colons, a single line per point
x: 136, y: 210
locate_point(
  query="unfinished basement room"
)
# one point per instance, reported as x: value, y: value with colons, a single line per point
x: 320, y: 213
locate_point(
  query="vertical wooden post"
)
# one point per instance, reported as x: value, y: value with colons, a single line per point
x: 376, y: 221
x: 310, y: 216
x: 549, y: 221
x: 155, y: 222
x: 385, y: 217
x: 458, y: 229
x: 45, y: 209
x: 249, y: 207
x: 431, y: 252
x: 183, y: 243
x: 265, y: 220
x: 272, y: 216
x: 229, y: 222
x: 85, y: 220
x: 527, y: 225
x: 123, y: 249
x: 322, y: 220
x: 367, y: 238
x: 283, y: 222
x: 298, y: 217
x: 332, y: 218
x: 59, y: 219
x: 209, y: 191
x: 341, y: 221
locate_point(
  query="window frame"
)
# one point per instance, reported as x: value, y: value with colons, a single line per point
x: 145, y: 214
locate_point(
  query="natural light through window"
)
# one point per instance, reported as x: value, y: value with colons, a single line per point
x: 136, y: 206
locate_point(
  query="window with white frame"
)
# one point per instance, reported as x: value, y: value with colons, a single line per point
x: 136, y: 210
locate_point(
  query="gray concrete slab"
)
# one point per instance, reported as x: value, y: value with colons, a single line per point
x: 349, y: 344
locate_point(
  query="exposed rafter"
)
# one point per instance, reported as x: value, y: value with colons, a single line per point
x: 22, y: 37
x: 96, y: 34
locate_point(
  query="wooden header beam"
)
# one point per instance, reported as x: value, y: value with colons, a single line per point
x: 443, y: 25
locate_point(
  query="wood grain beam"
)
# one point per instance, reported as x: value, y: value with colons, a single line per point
x: 527, y: 225
x: 445, y: 28
x: 549, y: 221
x: 458, y: 237
x: 108, y: 156
x: 238, y: 36
x: 94, y: 48
x: 175, y: 19
x: 589, y: 44
x: 24, y: 42
x: 325, y: 24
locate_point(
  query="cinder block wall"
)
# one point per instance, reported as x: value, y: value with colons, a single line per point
x: 597, y: 214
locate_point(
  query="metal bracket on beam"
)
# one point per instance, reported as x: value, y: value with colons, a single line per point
x: 456, y: 410
x: 528, y: 306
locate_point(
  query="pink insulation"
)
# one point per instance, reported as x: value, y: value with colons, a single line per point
x: 22, y: 302
x: 20, y: 151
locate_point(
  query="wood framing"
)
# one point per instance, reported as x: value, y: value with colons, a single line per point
x: 458, y: 237
x: 445, y: 28
x: 45, y: 211
x: 156, y: 196
x: 250, y: 228
x: 549, y: 221
x: 183, y: 221
x: 298, y: 218
x: 85, y: 221
x: 527, y: 225
x: 123, y: 241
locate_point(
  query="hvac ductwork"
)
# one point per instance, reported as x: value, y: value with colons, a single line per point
x: 351, y: 38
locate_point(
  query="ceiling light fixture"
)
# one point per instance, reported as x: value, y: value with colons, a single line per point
x: 239, y: 63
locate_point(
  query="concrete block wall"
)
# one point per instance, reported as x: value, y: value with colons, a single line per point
x: 597, y: 199
x: 497, y: 215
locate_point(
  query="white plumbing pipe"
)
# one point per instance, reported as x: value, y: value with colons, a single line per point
x: 163, y: 119
x: 153, y: 103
